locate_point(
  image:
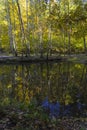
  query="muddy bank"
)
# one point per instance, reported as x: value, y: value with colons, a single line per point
x: 20, y: 59
x: 76, y: 58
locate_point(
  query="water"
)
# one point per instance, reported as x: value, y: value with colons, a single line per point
x: 59, y: 87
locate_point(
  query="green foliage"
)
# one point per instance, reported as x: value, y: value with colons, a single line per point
x: 66, y: 20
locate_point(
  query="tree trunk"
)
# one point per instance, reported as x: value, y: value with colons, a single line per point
x: 84, y: 41
x: 41, y: 40
x: 63, y: 40
x: 40, y: 29
x: 69, y: 43
x: 69, y: 27
x: 23, y: 37
x: 14, y: 28
x: 9, y: 26
x: 28, y: 42
x: 49, y: 41
x: 49, y: 34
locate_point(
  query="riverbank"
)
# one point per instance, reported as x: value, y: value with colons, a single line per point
x: 79, y: 58
x: 15, y: 119
x: 30, y: 59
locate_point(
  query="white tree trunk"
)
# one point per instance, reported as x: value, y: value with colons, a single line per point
x: 9, y: 26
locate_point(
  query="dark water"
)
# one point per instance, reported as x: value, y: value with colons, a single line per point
x: 59, y: 87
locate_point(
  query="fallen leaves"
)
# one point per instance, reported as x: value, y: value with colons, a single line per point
x: 15, y: 119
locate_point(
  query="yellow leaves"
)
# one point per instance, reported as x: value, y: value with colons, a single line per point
x: 68, y: 99
x: 78, y: 66
x: 6, y: 101
x: 9, y: 86
x: 18, y: 78
x: 28, y: 95
x: 3, y: 22
x: 25, y: 94
x: 38, y: 89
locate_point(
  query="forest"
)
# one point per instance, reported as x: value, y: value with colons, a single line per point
x: 42, y: 27
x: 43, y: 64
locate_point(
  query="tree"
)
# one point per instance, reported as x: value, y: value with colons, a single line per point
x: 10, y: 28
x: 80, y: 22
x: 41, y: 27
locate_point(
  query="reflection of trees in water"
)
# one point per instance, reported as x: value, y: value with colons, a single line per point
x: 83, y: 84
x: 64, y: 82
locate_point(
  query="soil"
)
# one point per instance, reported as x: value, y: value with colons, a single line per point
x: 14, y: 119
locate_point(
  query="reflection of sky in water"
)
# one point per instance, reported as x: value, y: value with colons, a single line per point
x: 56, y: 109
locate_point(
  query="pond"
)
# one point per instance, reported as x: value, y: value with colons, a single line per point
x: 59, y: 87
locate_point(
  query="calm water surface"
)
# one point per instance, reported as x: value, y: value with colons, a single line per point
x: 45, y: 84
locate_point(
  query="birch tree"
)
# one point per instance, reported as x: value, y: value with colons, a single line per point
x: 27, y: 27
x: 10, y: 29
x: 23, y: 36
